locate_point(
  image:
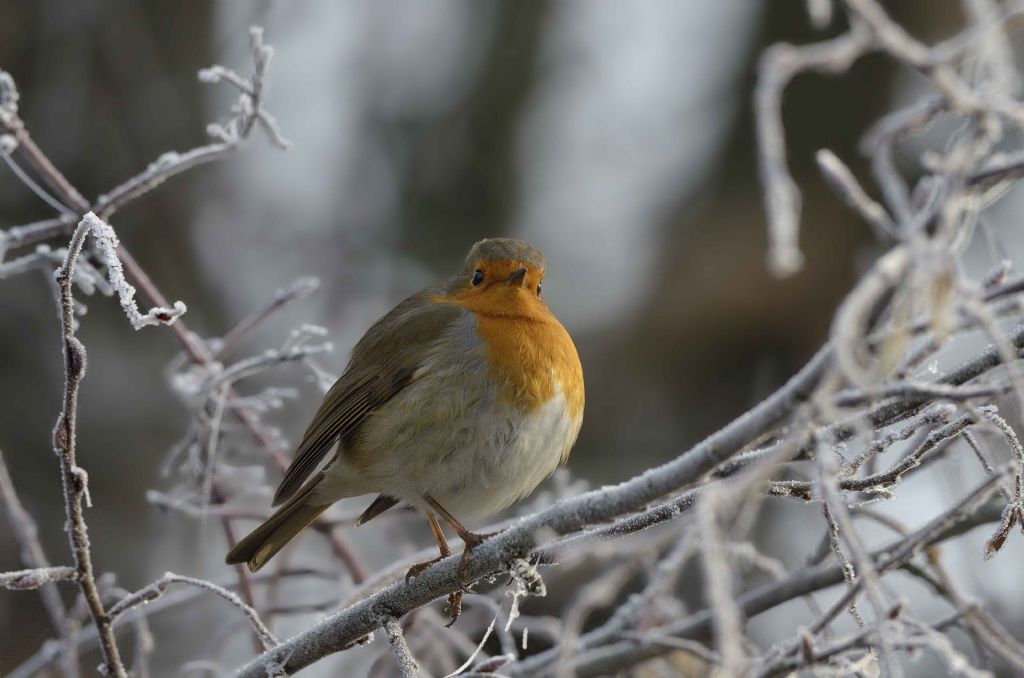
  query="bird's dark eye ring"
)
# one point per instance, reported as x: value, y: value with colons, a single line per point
x: 478, y: 277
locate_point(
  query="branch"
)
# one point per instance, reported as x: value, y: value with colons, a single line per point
x: 780, y: 64
x: 25, y: 580
x: 250, y: 113
x: 846, y: 186
x: 108, y: 244
x: 972, y: 511
x: 26, y: 533
x: 73, y: 477
x: 47, y: 654
x: 342, y: 630
x: 159, y: 587
x: 299, y: 289
x: 406, y: 662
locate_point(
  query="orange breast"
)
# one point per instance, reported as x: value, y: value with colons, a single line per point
x: 531, y: 354
x: 531, y: 358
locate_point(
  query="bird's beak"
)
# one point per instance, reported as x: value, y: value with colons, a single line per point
x: 516, y: 278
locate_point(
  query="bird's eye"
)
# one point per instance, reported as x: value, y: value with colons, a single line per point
x: 478, y: 277
x: 538, y: 289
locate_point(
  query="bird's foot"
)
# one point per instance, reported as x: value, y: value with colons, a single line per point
x: 417, y: 569
x: 471, y: 540
x: 453, y: 608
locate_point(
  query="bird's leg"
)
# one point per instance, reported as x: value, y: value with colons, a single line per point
x: 442, y: 546
x: 454, y: 607
x: 469, y: 538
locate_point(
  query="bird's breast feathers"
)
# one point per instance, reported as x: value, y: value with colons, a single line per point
x: 531, y: 359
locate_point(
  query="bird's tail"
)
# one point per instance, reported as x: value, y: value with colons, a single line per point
x: 266, y: 540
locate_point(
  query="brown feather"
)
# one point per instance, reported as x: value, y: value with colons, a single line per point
x: 381, y: 504
x: 383, y: 363
x: 265, y: 541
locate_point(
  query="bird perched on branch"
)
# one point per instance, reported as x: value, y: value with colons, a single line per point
x: 459, y: 401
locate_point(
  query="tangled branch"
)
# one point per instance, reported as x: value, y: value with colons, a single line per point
x: 881, y: 402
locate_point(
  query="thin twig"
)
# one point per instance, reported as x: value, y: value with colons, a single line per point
x: 74, y: 478
x: 26, y: 580
x: 159, y: 587
x: 396, y: 638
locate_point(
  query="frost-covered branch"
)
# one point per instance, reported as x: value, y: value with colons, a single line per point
x: 403, y: 656
x: 74, y: 478
x: 248, y: 112
x: 157, y: 589
x: 107, y: 243
x: 26, y: 534
x: 970, y: 512
x: 126, y: 274
x: 25, y: 580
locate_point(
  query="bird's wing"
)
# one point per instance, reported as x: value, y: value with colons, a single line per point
x: 384, y: 362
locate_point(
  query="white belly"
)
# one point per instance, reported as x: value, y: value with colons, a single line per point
x: 514, y: 453
x: 473, y: 453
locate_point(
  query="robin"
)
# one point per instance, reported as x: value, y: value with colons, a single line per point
x: 459, y: 401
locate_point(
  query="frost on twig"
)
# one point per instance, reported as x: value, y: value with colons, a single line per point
x: 248, y: 112
x: 298, y: 289
x: 8, y: 112
x: 107, y: 243
x: 33, y: 557
x: 778, y: 66
x: 74, y: 478
x: 396, y: 638
x: 1013, y: 514
x: 159, y: 587
x: 32, y: 579
x: 249, y: 108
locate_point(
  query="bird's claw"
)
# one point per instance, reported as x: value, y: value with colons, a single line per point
x: 471, y: 540
x: 453, y: 608
x: 418, y: 569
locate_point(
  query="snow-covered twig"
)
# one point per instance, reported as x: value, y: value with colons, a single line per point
x: 107, y: 243
x: 396, y: 638
x: 159, y: 587
x: 25, y: 580
x: 75, y: 479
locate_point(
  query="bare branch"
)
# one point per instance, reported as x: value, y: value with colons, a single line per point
x: 299, y: 289
x: 780, y: 64
x: 25, y: 580
x: 108, y: 244
x: 26, y: 533
x: 846, y: 186
x: 159, y: 587
x: 73, y: 477
x: 406, y: 663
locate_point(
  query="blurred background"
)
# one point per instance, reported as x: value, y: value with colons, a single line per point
x: 616, y: 137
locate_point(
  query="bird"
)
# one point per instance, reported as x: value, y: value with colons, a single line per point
x: 459, y: 401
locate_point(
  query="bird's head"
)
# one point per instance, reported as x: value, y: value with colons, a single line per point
x: 501, y: 276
